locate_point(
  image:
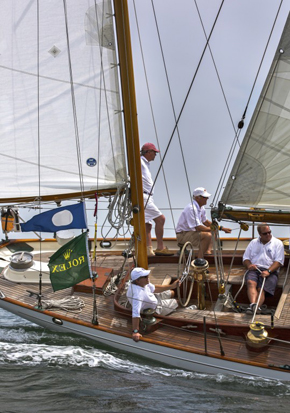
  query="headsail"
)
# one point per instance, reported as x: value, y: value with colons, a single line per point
x: 260, y: 175
x: 59, y: 104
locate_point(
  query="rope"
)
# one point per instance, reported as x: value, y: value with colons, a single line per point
x: 71, y: 304
x: 234, y: 255
x: 114, y: 282
x: 112, y: 286
x: 218, y: 259
x: 242, y: 285
x: 119, y: 212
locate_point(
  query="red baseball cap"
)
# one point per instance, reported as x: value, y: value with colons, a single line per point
x: 149, y: 147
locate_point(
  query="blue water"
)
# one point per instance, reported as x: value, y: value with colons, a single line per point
x: 41, y: 371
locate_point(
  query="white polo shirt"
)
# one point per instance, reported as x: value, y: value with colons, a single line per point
x: 146, y: 176
x: 192, y: 216
x: 141, y: 298
x: 265, y: 254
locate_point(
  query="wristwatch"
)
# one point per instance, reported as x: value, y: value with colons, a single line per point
x: 135, y: 331
x: 269, y: 271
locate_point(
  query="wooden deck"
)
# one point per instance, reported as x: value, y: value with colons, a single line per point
x: 190, y: 339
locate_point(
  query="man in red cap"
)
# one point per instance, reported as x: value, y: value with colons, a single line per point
x: 152, y: 213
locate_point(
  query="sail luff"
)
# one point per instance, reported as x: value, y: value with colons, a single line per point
x: 259, y: 175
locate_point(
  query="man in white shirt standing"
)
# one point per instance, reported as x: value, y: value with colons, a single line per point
x: 152, y: 213
x: 263, y: 258
x: 193, y: 225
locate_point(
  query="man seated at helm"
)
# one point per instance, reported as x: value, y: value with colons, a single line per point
x: 142, y: 294
x: 193, y: 225
x: 263, y: 258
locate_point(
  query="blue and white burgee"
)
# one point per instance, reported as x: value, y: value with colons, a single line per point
x: 58, y: 219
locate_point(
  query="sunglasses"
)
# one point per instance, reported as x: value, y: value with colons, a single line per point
x: 266, y: 233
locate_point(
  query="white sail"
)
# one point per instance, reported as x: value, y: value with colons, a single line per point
x: 261, y: 174
x: 59, y: 101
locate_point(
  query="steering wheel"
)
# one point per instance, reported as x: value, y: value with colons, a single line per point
x: 184, y: 290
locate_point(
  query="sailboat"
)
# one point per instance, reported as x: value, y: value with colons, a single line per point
x: 61, y: 99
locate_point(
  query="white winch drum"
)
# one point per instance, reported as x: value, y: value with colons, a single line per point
x: 21, y: 260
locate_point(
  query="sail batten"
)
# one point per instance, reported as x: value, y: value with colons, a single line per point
x: 260, y: 175
x: 46, y: 132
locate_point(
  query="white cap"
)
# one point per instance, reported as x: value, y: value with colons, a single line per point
x: 139, y: 272
x: 201, y: 192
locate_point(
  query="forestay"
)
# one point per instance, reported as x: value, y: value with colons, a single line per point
x: 59, y: 101
x: 260, y: 175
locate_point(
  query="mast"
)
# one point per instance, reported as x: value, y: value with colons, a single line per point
x: 131, y: 128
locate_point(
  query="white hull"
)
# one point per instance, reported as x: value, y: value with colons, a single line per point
x: 162, y: 354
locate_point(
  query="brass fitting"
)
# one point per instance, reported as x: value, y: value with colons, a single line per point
x: 257, y: 337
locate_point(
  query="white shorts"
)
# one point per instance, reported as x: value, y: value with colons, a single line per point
x: 165, y: 304
x: 151, y: 210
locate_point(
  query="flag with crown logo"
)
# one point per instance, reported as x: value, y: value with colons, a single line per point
x: 70, y: 264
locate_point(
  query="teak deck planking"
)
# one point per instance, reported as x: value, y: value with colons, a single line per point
x: 233, y: 346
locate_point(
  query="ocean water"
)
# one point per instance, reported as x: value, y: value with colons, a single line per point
x: 41, y: 371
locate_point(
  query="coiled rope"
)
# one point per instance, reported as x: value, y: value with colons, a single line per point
x: 119, y: 213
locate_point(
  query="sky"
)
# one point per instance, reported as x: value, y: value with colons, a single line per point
x: 206, y: 132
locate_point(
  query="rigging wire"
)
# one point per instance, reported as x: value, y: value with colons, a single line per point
x: 241, y: 123
x: 39, y: 149
x: 188, y: 92
x: 151, y: 105
x: 216, y: 69
x: 73, y: 100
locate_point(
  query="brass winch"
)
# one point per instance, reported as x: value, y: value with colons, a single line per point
x: 257, y: 337
x: 147, y: 320
x: 199, y: 268
x: 286, y: 247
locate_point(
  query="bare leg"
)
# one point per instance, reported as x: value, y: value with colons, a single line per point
x: 262, y: 298
x: 252, y: 291
x: 159, y: 230
x: 148, y: 228
x: 205, y: 245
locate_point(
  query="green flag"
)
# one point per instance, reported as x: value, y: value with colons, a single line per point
x: 70, y: 264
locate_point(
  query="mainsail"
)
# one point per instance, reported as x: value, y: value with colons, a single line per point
x: 260, y: 175
x: 60, y: 110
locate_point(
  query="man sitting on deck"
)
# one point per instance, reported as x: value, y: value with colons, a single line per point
x: 194, y: 227
x: 142, y: 294
x: 263, y: 258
